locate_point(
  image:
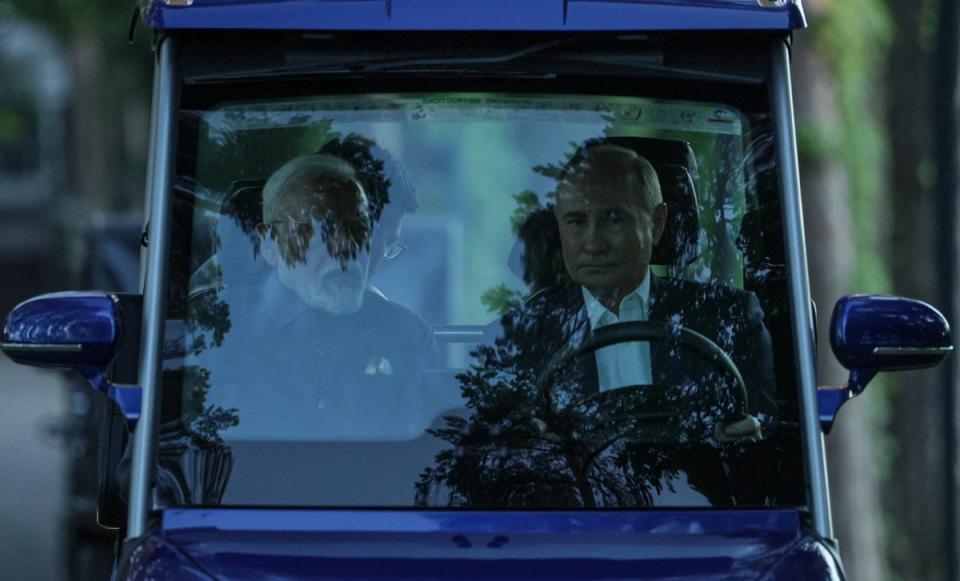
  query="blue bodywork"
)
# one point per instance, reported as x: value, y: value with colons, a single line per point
x: 829, y: 402
x: 317, y: 544
x: 872, y: 333
x: 63, y: 329
x: 506, y: 15
x: 228, y: 543
x: 79, y: 330
x: 878, y: 333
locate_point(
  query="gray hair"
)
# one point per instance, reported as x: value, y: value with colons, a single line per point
x: 612, y: 166
x: 299, y: 170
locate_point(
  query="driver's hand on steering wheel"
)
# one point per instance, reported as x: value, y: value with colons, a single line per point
x: 746, y: 429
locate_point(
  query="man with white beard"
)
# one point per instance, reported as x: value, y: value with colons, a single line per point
x: 316, y: 232
x: 311, y: 351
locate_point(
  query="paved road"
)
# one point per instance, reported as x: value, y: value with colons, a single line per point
x: 33, y: 473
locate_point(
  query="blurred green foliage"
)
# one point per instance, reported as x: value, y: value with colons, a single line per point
x: 856, y: 34
x: 71, y: 18
x: 527, y: 203
x: 108, y: 91
x: 500, y: 299
x: 13, y: 126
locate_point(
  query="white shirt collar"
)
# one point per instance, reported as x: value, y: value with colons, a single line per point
x: 596, y: 310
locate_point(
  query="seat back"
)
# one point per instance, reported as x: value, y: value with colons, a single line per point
x: 236, y: 258
x: 676, y: 168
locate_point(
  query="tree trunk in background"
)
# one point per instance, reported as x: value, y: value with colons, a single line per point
x: 829, y: 230
x: 88, y: 148
x: 110, y: 97
x: 915, y: 495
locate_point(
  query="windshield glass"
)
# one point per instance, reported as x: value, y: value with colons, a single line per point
x: 478, y: 300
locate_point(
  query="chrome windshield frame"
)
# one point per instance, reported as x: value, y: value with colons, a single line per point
x: 159, y: 186
x: 799, y: 288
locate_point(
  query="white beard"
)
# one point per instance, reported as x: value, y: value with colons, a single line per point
x: 337, y: 292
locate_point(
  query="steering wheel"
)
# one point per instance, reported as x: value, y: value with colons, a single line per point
x: 657, y: 332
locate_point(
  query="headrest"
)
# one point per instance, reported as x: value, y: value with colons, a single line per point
x: 680, y: 243
x: 237, y: 245
x: 243, y: 204
x: 661, y: 152
x: 676, y: 168
x: 760, y: 240
x: 240, y: 213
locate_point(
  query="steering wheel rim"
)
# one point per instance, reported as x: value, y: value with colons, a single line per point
x: 630, y: 331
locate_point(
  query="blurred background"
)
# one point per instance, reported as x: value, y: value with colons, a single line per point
x: 875, y: 87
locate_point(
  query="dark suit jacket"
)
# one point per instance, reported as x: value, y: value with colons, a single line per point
x: 730, y: 317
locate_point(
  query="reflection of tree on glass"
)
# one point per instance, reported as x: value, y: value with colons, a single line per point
x: 584, y: 434
x: 194, y: 463
x: 611, y: 214
x: 194, y: 458
x: 390, y: 191
x: 312, y: 351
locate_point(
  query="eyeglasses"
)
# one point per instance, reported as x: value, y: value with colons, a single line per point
x: 306, y: 229
x: 393, y: 250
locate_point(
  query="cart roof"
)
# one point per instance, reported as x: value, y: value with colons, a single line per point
x: 478, y: 15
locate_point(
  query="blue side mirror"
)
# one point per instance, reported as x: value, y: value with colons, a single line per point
x: 63, y: 330
x: 870, y: 333
x: 82, y: 331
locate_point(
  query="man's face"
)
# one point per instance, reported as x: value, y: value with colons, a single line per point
x: 321, y: 246
x: 607, y: 235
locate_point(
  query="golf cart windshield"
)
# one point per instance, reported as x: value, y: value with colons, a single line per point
x: 477, y: 299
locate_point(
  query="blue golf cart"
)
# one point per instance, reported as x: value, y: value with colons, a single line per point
x: 375, y: 335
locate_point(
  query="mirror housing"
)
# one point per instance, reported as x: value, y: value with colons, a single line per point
x: 870, y: 333
x: 873, y: 333
x: 78, y: 330
x: 73, y: 330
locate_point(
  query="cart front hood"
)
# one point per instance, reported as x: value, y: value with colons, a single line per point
x: 295, y: 544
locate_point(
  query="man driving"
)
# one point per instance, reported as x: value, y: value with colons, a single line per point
x: 610, y: 215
